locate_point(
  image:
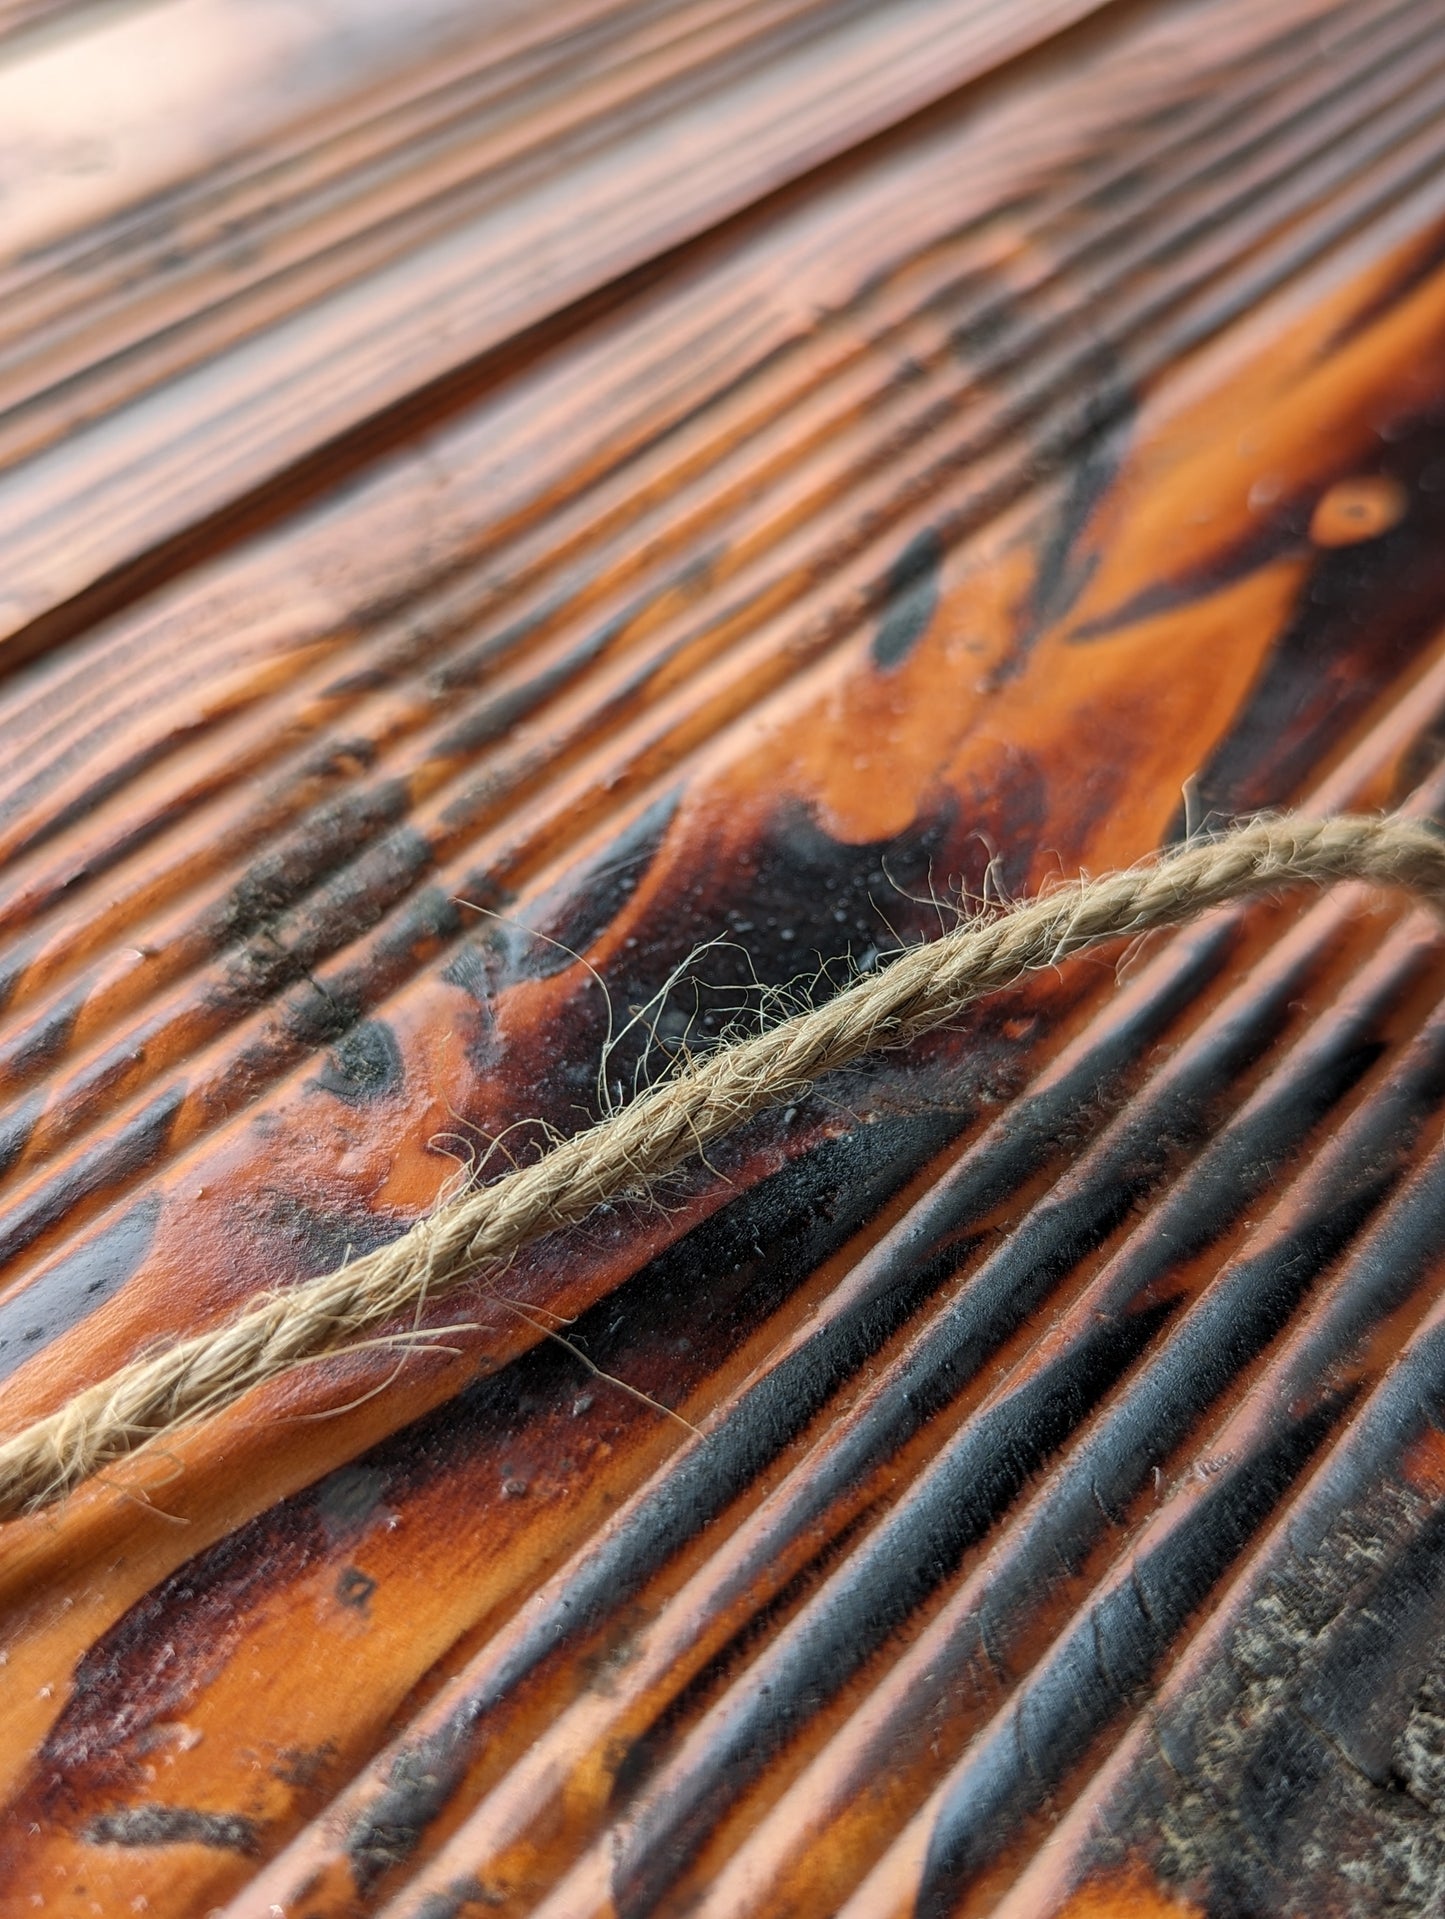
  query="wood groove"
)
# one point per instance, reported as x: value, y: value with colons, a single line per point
x: 674, y: 1650
x: 368, y: 347
x: 448, y: 845
x: 928, y: 523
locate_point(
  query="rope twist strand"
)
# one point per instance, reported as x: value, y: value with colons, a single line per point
x: 926, y: 987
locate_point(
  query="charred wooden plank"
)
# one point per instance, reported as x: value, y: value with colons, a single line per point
x: 933, y: 1471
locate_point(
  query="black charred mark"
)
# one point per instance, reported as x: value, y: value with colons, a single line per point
x: 42, y: 1044
x: 364, y: 1067
x: 461, y: 1899
x: 1255, y: 1295
x: 308, y: 1236
x: 354, y: 900
x: 347, y: 758
x: 496, y: 718
x: 754, y: 1252
x: 811, y: 898
x: 62, y: 1295
x: 1063, y: 569
x: 16, y: 961
x: 1095, y: 1673
x: 283, y: 947
x: 122, y: 1687
x: 174, y: 1826
x: 1261, y: 1792
x: 331, y: 836
x: 894, y: 1570
x: 107, y: 1165
x: 733, y: 920
x: 256, y: 973
x: 320, y: 1013
x: 1281, y: 530
x: 1424, y: 755
x: 354, y: 1588
x: 250, y: 1070
x: 322, y: 1010
x: 304, y: 1768
x: 433, y: 916
x: 16, y: 1129
x: 1124, y: 1165
x: 1062, y: 573
x: 352, y: 686
x: 797, y: 901
x: 1175, y: 1387
x: 567, y: 923
x: 474, y: 969
x: 989, y: 328
x: 145, y: 1670
x: 910, y: 599
x: 420, y: 1785
x: 471, y: 665
x: 491, y: 722
x: 1361, y: 1695
x: 645, y: 1753
x: 422, y: 927
x: 1361, y: 617
x: 1239, y: 1316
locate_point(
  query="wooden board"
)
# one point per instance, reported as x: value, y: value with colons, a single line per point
x: 456, y: 661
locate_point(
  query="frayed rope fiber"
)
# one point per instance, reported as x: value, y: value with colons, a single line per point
x: 924, y: 988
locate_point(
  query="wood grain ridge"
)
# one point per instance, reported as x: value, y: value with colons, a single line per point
x: 1008, y: 1480
x: 896, y: 1533
x: 159, y: 460
x: 419, y: 767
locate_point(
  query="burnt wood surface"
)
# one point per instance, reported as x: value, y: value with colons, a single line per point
x: 530, y: 536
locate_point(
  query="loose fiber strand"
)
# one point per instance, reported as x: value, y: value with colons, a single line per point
x: 926, y: 987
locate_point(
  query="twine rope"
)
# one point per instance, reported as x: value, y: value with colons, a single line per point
x: 925, y: 988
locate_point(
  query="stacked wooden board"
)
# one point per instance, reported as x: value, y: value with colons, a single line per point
x: 528, y: 537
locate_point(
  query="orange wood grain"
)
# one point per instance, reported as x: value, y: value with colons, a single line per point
x: 1061, y: 460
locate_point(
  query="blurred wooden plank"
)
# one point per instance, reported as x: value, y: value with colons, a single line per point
x: 16, y: 15
x: 162, y: 460
x: 131, y: 104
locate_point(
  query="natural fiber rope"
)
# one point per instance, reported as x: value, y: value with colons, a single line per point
x: 924, y: 988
